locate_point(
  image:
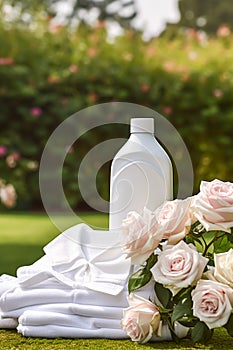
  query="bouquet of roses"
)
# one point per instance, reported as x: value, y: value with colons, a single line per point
x: 185, y: 247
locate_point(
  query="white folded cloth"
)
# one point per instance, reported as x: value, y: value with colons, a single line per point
x: 70, y: 309
x: 7, y: 282
x: 78, y: 289
x: 41, y: 318
x: 19, y: 298
x: 53, y: 331
x: 8, y: 323
x: 33, y: 323
x: 81, y: 256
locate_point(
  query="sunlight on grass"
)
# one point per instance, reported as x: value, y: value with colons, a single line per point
x: 37, y: 228
x: 23, y: 236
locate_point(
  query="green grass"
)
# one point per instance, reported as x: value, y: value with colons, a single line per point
x: 22, y: 237
x: 11, y: 340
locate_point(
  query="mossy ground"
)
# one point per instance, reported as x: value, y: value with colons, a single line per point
x: 12, y: 340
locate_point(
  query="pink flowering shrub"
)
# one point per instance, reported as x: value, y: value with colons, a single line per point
x: 50, y: 73
x: 7, y: 194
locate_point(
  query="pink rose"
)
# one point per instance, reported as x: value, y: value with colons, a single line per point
x: 141, y: 319
x: 8, y: 195
x: 223, y: 270
x: 213, y: 205
x: 141, y: 236
x: 212, y: 303
x: 174, y: 217
x: 179, y: 266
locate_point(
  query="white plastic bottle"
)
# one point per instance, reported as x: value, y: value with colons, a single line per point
x: 141, y: 174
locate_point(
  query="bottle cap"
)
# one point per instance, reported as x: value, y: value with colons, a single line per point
x: 142, y: 125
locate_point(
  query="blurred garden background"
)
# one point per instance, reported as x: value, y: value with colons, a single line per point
x: 51, y: 68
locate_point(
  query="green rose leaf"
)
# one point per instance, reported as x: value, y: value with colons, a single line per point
x: 175, y: 338
x: 188, y: 321
x: 230, y: 236
x: 183, y: 309
x: 164, y: 295
x: 222, y: 244
x: 139, y: 279
x: 201, y: 333
x: 151, y: 261
x: 229, y: 326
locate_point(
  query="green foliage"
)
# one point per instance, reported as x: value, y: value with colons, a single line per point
x: 164, y: 295
x: 49, y: 72
x: 183, y: 308
x: 201, y: 333
x: 229, y: 326
x: 209, y: 242
x: 141, y: 277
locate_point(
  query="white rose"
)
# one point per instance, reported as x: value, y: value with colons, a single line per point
x: 175, y: 220
x: 223, y: 271
x: 212, y: 303
x: 213, y: 205
x: 141, y: 236
x: 179, y: 266
x: 141, y: 319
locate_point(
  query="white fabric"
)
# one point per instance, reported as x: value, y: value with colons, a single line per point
x: 53, y: 331
x: 41, y: 318
x: 18, y: 298
x: 7, y: 282
x: 81, y: 256
x: 8, y: 323
x: 33, y: 323
x: 15, y: 302
x: 78, y: 289
x: 72, y: 309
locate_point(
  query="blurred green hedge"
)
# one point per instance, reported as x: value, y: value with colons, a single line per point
x: 49, y: 72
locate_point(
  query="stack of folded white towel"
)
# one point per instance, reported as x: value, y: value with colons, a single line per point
x: 78, y: 289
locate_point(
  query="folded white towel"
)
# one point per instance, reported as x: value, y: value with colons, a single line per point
x: 10, y: 323
x: 7, y: 282
x: 52, y: 325
x: 52, y: 331
x: 41, y: 318
x: 71, y: 309
x: 81, y: 256
x: 19, y: 298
